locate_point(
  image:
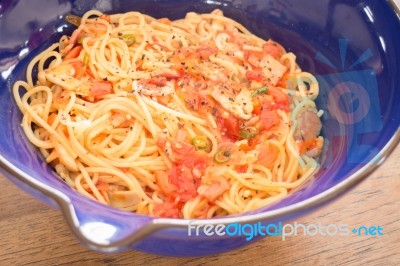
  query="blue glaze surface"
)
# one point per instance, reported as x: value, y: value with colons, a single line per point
x: 351, y: 47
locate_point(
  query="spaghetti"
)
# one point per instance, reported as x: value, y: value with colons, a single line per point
x: 192, y: 118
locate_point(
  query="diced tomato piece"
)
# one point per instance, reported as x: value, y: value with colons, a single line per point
x: 187, y: 170
x: 255, y: 54
x: 80, y: 69
x: 186, y: 183
x: 205, y: 51
x: 184, y: 52
x: 72, y: 41
x: 51, y: 118
x: 101, y: 185
x: 256, y: 75
x: 311, y: 144
x: 64, y: 131
x: 184, y: 176
x: 158, y: 81
x: 232, y: 125
x: 269, y: 119
x: 279, y: 95
x: 50, y: 121
x: 214, y: 190
x: 187, y: 155
x: 282, y: 82
x: 274, y: 49
x: 268, y: 154
x: 229, y: 126
x: 234, y: 35
x: 254, y: 58
x: 191, y: 97
x: 100, y: 88
x: 193, y: 102
x: 161, y: 142
x: 73, y: 53
x: 178, y: 182
x: 89, y: 72
x: 242, y: 168
x: 163, y: 183
x: 164, y: 99
x: 119, y: 119
x: 182, y: 150
x: 281, y: 99
x: 256, y: 105
x: 244, y: 147
x: 170, y: 74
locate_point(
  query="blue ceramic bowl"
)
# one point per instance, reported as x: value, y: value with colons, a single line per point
x: 351, y: 46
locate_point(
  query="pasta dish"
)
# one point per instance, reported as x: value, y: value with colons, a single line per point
x: 192, y: 118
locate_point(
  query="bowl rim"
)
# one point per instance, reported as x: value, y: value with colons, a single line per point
x: 68, y: 209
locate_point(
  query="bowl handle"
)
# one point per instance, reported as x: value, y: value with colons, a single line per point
x: 101, y: 231
x: 110, y: 232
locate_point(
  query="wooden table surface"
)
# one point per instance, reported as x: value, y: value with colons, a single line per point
x: 35, y: 234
